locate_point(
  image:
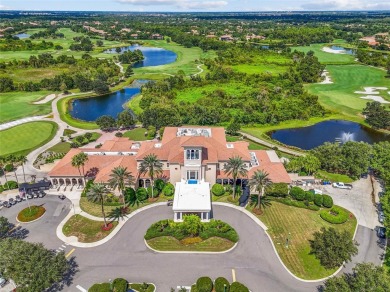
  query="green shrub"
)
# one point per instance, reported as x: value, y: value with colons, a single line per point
x: 277, y: 190
x: 238, y: 287
x: 159, y: 184
x: 318, y: 200
x: 336, y: 215
x: 103, y: 287
x: 204, y: 284
x: 10, y: 185
x: 327, y: 201
x: 155, y: 192
x: 1, y: 189
x: 119, y: 285
x: 86, y: 188
x: 309, y: 196
x: 220, y: 284
x: 151, y: 132
x: 129, y: 194
x: 297, y: 193
x: 298, y: 204
x: 9, y: 167
x: 193, y: 288
x: 142, y: 194
x: 217, y: 190
x: 168, y: 190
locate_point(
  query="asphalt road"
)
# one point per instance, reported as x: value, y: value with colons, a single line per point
x: 253, y: 260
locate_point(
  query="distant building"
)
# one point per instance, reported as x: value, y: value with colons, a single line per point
x: 157, y: 36
x: 226, y: 38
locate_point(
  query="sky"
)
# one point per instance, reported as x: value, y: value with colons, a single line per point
x: 194, y: 5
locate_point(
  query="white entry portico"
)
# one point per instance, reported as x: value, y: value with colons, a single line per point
x: 192, y: 197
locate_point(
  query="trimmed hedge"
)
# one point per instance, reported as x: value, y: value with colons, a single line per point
x: 309, y: 196
x: 142, y: 194
x: 218, y: 190
x: 209, y: 229
x: 168, y: 190
x: 193, y: 288
x: 159, y: 184
x: 298, y: 204
x: 220, y: 283
x: 238, y: 287
x: 277, y: 190
x: 297, y: 193
x: 318, y: 199
x: 155, y: 191
x: 103, y: 287
x: 336, y: 215
x: 120, y: 285
x: 9, y: 167
x: 204, y: 284
x: 327, y: 201
x: 10, y: 185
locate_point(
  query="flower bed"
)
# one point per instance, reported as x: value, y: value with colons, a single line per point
x: 336, y: 215
x: 31, y: 214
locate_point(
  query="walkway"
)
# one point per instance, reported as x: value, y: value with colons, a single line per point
x: 120, y: 67
x: 22, y: 121
x: 272, y: 145
x: 48, y: 98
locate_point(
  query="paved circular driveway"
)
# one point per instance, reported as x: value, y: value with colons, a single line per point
x: 254, y: 260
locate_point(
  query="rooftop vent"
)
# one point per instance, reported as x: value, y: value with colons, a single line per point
x: 254, y: 161
x: 157, y: 145
x: 136, y: 145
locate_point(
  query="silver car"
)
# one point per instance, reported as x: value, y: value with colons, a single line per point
x: 381, y: 216
x: 2, y: 281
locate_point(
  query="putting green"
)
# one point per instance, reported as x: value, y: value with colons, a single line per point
x: 341, y: 97
x: 25, y: 138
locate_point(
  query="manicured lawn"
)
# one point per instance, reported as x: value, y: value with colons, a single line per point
x: 340, y: 96
x: 324, y: 57
x: 31, y: 214
x: 299, y: 225
x: 18, y: 104
x: 62, y: 147
x: 23, y: 139
x: 34, y: 74
x: 137, y: 134
x: 138, y: 287
x: 133, y: 104
x: 334, y: 177
x: 260, y: 68
x: 86, y: 230
x: 168, y: 243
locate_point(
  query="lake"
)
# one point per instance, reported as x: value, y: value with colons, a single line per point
x: 89, y: 109
x: 328, y: 131
x: 22, y: 35
x: 153, y: 56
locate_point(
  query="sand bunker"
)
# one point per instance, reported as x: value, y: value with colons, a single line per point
x: 332, y: 51
x: 371, y: 93
x: 327, y: 79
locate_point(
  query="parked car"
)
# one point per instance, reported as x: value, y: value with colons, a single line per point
x: 12, y: 201
x: 41, y: 194
x: 7, y: 204
x: 62, y: 197
x: 381, y: 194
x: 381, y: 216
x: 364, y: 175
x: 169, y: 202
x: 341, y: 185
x: 316, y: 191
x: 18, y: 199
x: 3, y: 281
x: 29, y: 196
x: 381, y: 232
x: 35, y: 194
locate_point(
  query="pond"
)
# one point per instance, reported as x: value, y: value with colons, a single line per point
x: 153, y: 56
x: 22, y: 35
x: 328, y: 131
x: 89, y: 109
x: 345, y: 50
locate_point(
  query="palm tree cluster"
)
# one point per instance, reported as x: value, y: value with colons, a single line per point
x: 260, y: 182
x: 79, y: 161
x: 13, y: 160
x: 235, y: 167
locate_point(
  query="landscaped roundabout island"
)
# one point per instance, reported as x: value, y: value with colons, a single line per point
x: 191, y: 235
x: 30, y: 214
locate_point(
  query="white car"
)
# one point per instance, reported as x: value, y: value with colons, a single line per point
x: 341, y: 185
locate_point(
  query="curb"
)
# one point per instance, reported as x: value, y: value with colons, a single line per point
x: 190, y: 252
x: 17, y: 220
x: 154, y: 285
x: 72, y: 240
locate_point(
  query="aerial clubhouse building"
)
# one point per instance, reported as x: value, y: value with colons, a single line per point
x: 193, y: 160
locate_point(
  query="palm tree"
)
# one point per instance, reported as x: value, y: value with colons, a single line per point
x: 151, y: 165
x: 3, y: 163
x: 83, y: 160
x: 23, y: 159
x: 97, y: 193
x: 12, y: 159
x: 120, y: 178
x: 260, y: 181
x: 235, y: 167
x: 76, y: 162
x: 118, y: 213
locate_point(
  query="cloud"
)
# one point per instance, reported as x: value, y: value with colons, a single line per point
x: 3, y: 7
x: 181, y: 4
x: 346, y: 5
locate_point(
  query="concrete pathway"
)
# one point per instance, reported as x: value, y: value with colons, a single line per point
x: 120, y: 67
x: 200, y: 70
x: 48, y: 98
x: 271, y: 145
x: 22, y: 121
